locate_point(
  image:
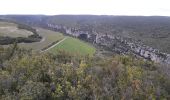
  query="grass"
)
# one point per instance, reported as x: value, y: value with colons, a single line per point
x: 73, y: 45
x: 48, y: 38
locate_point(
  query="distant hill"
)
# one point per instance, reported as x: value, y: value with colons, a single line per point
x: 153, y: 30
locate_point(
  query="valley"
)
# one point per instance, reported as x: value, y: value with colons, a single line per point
x: 50, y: 42
x: 84, y: 57
x: 118, y: 34
x: 117, y: 44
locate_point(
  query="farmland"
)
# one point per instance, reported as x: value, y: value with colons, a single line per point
x: 10, y: 29
x: 48, y: 38
x: 75, y: 46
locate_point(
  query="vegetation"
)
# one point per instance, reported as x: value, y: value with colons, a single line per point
x: 27, y: 75
x: 27, y: 37
x: 10, y: 40
x: 49, y: 37
x: 34, y: 37
x: 10, y: 29
x: 26, y: 27
x: 69, y: 71
x: 152, y: 31
x: 74, y: 45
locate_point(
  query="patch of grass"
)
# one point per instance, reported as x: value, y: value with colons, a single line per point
x: 75, y: 46
x: 48, y: 38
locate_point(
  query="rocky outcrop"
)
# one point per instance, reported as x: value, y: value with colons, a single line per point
x: 126, y: 46
x: 116, y: 44
x: 75, y: 32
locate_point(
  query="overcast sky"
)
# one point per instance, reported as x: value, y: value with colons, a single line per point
x: 95, y: 7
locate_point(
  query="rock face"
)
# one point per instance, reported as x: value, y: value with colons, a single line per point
x: 116, y: 44
x: 125, y: 46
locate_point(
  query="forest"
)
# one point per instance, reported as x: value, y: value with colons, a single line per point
x: 30, y: 75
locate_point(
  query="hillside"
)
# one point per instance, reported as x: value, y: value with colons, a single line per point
x: 10, y: 29
x: 146, y: 37
x: 153, y: 31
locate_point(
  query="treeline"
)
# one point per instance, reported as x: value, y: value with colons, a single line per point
x: 25, y: 75
x: 28, y: 28
x: 11, y: 40
x: 35, y: 37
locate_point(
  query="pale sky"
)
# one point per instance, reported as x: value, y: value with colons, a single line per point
x: 95, y: 7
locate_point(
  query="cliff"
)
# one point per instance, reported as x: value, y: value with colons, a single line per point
x: 117, y: 44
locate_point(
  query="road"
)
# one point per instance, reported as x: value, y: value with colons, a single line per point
x: 54, y: 45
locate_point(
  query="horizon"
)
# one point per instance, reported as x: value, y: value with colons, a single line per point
x: 84, y: 15
x: 88, y: 7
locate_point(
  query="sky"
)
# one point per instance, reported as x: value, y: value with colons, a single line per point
x: 94, y: 7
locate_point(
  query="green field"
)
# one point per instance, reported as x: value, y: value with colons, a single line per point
x: 75, y: 46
